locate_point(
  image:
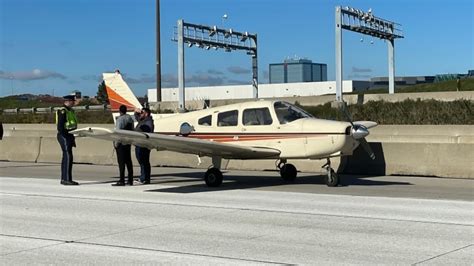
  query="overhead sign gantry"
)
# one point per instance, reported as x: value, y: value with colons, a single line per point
x: 212, y: 37
x: 366, y: 23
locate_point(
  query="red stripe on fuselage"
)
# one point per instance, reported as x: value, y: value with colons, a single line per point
x: 234, y: 137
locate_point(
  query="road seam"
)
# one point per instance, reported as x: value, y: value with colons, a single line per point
x: 238, y: 208
x: 442, y: 254
x: 62, y: 242
x: 31, y: 249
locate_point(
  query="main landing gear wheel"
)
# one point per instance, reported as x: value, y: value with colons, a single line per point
x: 288, y: 172
x: 213, y: 177
x: 332, y: 179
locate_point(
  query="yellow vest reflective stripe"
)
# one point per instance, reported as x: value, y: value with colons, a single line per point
x: 71, y: 120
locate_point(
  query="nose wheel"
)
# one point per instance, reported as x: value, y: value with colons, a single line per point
x: 332, y: 179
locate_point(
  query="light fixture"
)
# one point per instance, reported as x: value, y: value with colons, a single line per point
x: 207, y: 47
x: 227, y: 34
x: 190, y: 44
x: 244, y: 37
x: 213, y: 31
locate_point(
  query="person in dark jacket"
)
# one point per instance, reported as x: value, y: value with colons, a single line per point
x: 66, y: 121
x: 145, y: 124
x: 124, y: 157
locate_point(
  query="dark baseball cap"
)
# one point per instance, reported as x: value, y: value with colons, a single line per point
x: 69, y: 97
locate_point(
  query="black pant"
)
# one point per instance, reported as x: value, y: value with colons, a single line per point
x: 124, y: 158
x: 66, y: 142
x: 143, y: 157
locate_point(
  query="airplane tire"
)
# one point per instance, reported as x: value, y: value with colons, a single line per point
x: 288, y: 172
x: 213, y: 177
x: 332, y: 180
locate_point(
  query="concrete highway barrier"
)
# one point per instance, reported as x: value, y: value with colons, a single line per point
x: 94, y: 151
x: 89, y: 150
x: 50, y: 150
x: 425, y: 159
x: 442, y: 151
x: 20, y: 149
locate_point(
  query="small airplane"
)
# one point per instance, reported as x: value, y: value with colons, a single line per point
x: 260, y: 129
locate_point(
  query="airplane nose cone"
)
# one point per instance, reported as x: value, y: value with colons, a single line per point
x: 359, y: 132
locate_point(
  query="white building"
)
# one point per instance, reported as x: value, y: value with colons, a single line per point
x: 264, y: 91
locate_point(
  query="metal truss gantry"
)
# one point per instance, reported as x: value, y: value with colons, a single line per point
x: 211, y: 37
x: 366, y: 23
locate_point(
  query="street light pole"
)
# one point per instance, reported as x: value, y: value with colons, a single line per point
x: 181, y: 95
x: 158, y: 53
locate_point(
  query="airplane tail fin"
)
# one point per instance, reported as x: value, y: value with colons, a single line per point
x: 119, y: 93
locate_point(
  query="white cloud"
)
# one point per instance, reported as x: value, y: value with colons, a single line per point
x: 238, y: 70
x: 35, y: 74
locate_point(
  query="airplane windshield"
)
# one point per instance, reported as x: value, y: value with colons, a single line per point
x: 287, y: 113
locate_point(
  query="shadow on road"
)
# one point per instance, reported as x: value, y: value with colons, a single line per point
x: 26, y: 165
x: 232, y: 182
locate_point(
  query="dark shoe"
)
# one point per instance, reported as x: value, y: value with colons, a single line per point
x: 145, y: 182
x: 130, y: 182
x: 119, y: 184
x: 69, y: 183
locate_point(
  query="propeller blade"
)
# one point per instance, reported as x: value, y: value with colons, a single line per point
x: 346, y: 113
x: 367, y: 148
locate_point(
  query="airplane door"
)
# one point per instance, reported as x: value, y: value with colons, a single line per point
x: 292, y: 141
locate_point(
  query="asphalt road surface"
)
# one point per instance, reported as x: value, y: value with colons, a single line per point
x: 253, y: 218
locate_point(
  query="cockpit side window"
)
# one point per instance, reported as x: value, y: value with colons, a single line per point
x: 228, y: 118
x: 256, y: 116
x: 205, y: 121
x: 288, y: 113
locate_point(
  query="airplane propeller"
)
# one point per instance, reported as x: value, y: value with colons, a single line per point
x: 359, y: 132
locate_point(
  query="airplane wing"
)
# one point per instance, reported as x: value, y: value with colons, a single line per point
x: 367, y: 124
x: 178, y: 143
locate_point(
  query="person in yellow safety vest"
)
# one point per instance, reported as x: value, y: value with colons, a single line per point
x: 66, y: 121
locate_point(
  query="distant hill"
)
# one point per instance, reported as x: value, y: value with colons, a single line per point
x: 42, y: 100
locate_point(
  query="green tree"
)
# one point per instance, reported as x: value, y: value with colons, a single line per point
x: 102, y: 93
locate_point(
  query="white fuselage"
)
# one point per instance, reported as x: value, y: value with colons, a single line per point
x: 305, y: 137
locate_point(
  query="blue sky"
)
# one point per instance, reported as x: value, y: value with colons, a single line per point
x: 56, y: 46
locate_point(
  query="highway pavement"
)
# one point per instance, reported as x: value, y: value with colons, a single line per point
x: 253, y: 218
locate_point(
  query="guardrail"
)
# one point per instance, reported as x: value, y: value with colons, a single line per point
x: 45, y: 110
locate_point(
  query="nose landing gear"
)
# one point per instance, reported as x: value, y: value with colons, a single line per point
x: 332, y: 179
